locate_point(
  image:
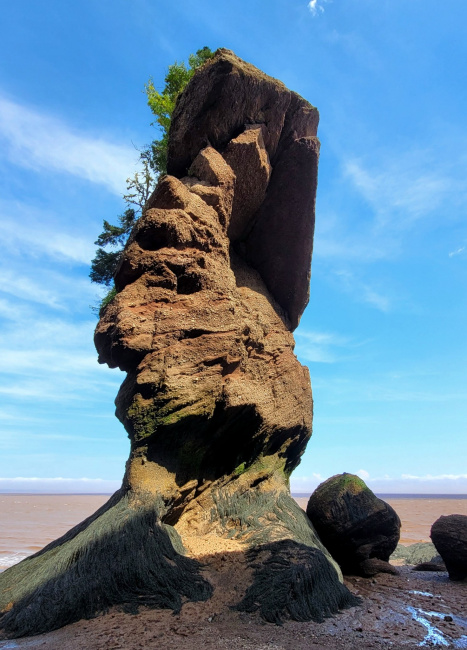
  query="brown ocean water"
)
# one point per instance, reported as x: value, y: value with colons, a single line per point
x: 28, y: 522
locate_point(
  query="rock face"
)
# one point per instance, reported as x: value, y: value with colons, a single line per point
x: 204, y: 333
x: 449, y: 535
x: 358, y: 529
x: 218, y: 409
x: 256, y: 121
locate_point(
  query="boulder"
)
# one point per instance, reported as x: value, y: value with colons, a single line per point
x: 449, y: 535
x: 354, y: 524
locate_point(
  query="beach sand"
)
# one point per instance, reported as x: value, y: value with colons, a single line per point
x: 399, y: 611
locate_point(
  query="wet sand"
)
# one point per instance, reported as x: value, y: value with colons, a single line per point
x: 403, y: 611
x: 409, y: 610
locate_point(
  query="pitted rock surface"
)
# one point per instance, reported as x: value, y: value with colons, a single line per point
x: 235, y: 108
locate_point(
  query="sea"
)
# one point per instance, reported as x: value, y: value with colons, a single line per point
x: 28, y: 522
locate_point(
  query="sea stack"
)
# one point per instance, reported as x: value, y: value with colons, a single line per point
x: 213, y: 281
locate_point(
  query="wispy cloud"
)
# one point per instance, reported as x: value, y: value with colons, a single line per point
x: 431, y: 477
x: 316, y: 7
x: 39, y: 285
x: 50, y: 358
x: 406, y: 187
x: 385, y: 388
x: 39, y: 141
x: 29, y: 233
x: 404, y: 191
x: 337, y: 239
x: 447, y: 484
x: 319, y: 347
x: 352, y: 44
x: 362, y: 291
x: 58, y: 485
x: 24, y: 287
x: 457, y: 252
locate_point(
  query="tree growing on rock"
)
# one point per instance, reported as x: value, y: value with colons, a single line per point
x: 153, y: 164
x: 218, y: 409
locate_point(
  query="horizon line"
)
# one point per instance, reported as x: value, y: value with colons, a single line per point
x: 452, y: 495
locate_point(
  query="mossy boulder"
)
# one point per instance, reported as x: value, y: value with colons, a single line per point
x: 353, y: 523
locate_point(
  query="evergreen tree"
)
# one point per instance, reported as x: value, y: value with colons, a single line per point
x: 154, y: 163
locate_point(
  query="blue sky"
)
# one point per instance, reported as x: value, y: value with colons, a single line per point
x: 384, y: 333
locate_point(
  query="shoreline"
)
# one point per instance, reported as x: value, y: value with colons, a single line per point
x: 380, y: 495
x: 401, y: 611
x: 29, y: 521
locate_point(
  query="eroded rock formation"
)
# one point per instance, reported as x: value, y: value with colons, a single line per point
x: 213, y: 281
x: 360, y: 530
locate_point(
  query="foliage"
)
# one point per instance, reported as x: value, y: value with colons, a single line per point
x: 154, y: 163
x: 163, y: 103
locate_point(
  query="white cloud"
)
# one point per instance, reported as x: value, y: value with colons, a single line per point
x: 36, y: 237
x: 457, y: 252
x: 353, y: 45
x: 318, y: 347
x: 363, y: 474
x: 27, y: 289
x: 59, y: 485
x: 316, y: 7
x: 52, y: 359
x: 362, y: 291
x: 305, y: 484
x: 431, y: 477
x: 386, y: 388
x: 334, y: 240
x: 444, y: 484
x: 39, y: 285
x: 405, y: 188
x: 42, y: 142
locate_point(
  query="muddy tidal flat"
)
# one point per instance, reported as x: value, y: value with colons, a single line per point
x: 409, y: 610
x: 406, y: 611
